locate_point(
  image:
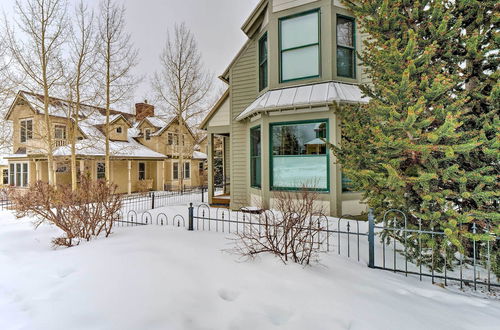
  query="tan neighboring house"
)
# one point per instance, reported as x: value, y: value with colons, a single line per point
x: 137, y: 160
x: 284, y: 86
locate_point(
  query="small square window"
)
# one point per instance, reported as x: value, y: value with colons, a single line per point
x: 119, y: 130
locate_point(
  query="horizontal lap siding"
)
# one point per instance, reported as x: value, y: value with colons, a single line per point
x: 244, y: 89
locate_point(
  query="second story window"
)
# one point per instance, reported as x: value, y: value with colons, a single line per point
x: 299, y: 46
x: 26, y: 132
x: 263, y: 62
x: 346, y: 48
x: 170, y: 139
x: 147, y: 134
x: 60, y: 132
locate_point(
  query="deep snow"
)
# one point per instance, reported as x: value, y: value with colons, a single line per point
x: 167, y: 278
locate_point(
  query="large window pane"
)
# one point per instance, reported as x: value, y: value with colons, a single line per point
x: 299, y: 31
x: 299, y: 155
x: 302, y: 171
x: 299, y: 44
x: 101, y: 171
x: 12, y: 171
x: 263, y: 80
x: 298, y: 139
x: 18, y: 175
x: 25, y: 175
x: 300, y: 63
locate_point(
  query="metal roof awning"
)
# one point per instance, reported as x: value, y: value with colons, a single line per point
x: 305, y: 96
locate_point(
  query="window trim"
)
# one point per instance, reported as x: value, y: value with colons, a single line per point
x: 252, y: 184
x: 28, y: 136
x: 281, y: 51
x: 175, y: 174
x: 271, y: 156
x: 59, y: 126
x: 97, y: 171
x: 13, y: 175
x: 139, y: 171
x: 263, y: 62
x: 353, y: 48
x: 185, y: 170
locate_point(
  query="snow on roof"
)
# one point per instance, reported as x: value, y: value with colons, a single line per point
x: 156, y: 121
x: 315, y: 142
x: 3, y: 161
x: 305, y: 96
x: 126, y: 149
x: 199, y: 155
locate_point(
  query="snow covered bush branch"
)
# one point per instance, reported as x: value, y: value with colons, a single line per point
x: 292, y: 233
x: 83, y: 214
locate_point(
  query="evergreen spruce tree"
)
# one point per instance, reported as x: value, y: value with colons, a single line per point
x: 428, y: 141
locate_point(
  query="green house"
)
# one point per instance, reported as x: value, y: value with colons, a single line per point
x: 284, y: 86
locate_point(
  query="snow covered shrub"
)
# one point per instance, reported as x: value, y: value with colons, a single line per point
x: 292, y: 232
x: 87, y: 212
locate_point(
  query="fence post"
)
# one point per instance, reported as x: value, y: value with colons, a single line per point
x: 191, y: 220
x: 153, y: 200
x: 371, y: 239
x: 203, y: 194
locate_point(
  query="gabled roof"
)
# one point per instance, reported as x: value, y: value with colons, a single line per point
x: 214, y: 109
x: 175, y: 119
x: 254, y: 17
x: 305, y: 96
x: 59, y: 107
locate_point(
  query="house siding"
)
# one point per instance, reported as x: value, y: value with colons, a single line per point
x: 244, y: 90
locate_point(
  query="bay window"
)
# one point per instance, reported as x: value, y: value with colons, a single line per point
x: 299, y: 155
x: 255, y: 157
x: 300, y: 46
x: 263, y: 70
x: 26, y: 130
x: 18, y: 174
x: 346, y: 48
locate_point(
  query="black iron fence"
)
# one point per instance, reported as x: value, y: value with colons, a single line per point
x: 409, y: 249
x: 152, y: 200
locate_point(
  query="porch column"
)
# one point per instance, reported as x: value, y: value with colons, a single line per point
x: 82, y: 167
x: 129, y: 165
x: 37, y: 171
x: 54, y: 169
x: 210, y: 173
x: 159, y: 175
x: 163, y: 163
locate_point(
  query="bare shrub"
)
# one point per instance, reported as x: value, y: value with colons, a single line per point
x: 143, y: 186
x: 83, y: 214
x: 292, y: 232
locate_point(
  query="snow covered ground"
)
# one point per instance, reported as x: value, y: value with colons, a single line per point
x: 167, y: 278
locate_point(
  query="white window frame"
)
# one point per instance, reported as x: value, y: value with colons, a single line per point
x: 60, y: 127
x: 97, y: 171
x: 186, y: 172
x: 23, y: 183
x: 27, y: 136
x: 175, y: 172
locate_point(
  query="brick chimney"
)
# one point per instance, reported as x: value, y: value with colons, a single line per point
x: 143, y: 110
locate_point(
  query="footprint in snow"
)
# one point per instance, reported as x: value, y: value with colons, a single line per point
x: 65, y: 272
x: 228, y: 295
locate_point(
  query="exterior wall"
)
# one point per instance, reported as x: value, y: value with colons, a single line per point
x: 243, y: 91
x: 222, y: 117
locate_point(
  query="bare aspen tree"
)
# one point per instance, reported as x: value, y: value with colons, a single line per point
x: 182, y: 84
x: 118, y: 57
x: 6, y: 93
x: 35, y: 44
x: 81, y: 73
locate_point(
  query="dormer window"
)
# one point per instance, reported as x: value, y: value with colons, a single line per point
x: 119, y: 130
x: 299, y: 46
x: 147, y: 134
x: 26, y: 132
